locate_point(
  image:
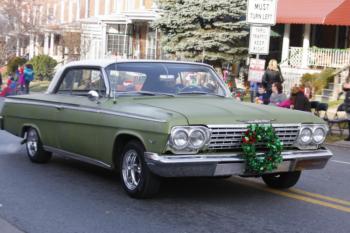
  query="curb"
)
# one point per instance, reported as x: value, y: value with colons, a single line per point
x: 6, y: 227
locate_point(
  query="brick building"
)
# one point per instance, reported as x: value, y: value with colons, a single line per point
x: 72, y: 29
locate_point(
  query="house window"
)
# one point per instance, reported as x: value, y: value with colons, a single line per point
x: 118, y: 42
x: 151, y: 44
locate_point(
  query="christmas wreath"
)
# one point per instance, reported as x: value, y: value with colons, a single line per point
x: 265, y: 136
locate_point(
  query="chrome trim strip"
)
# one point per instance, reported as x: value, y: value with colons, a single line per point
x: 85, y: 109
x: 33, y: 102
x: 78, y: 157
x: 245, y: 125
x: 234, y: 158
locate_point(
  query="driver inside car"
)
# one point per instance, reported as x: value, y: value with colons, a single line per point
x: 168, y: 84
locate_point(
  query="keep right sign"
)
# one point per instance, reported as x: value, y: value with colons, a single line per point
x: 262, y: 12
x: 259, y: 40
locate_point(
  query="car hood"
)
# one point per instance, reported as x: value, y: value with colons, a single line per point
x: 218, y: 110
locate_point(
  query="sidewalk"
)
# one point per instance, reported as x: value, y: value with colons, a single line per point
x: 344, y: 144
x: 339, y: 142
x: 6, y: 227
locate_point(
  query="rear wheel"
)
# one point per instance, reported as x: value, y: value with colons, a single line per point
x: 281, y: 180
x: 137, y: 179
x: 35, y: 150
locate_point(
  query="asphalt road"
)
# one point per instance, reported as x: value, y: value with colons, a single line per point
x: 67, y: 196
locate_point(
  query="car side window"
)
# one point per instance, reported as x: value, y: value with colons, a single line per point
x: 80, y: 81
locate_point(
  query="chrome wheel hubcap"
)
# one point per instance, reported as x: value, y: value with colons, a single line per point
x: 131, y: 169
x: 32, y: 142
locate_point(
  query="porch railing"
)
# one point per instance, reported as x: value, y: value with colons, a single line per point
x: 319, y: 57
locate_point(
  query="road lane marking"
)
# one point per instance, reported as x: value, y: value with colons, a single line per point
x: 342, y: 162
x: 332, y: 199
x: 299, y: 197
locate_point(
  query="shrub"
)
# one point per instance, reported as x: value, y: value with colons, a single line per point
x: 318, y: 81
x: 43, y: 66
x: 14, y: 63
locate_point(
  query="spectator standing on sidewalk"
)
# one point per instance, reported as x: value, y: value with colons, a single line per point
x: 271, y: 75
x: 346, y: 89
x: 28, y: 76
x: 253, y: 90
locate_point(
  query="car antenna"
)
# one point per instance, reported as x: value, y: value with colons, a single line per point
x: 114, y: 91
x: 114, y: 97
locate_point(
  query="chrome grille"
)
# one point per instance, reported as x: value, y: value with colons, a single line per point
x: 230, y: 137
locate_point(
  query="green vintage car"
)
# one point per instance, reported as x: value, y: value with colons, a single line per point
x: 155, y: 119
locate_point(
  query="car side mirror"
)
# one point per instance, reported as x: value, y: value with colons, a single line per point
x: 93, y: 95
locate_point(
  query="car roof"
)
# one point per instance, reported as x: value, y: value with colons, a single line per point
x: 106, y: 62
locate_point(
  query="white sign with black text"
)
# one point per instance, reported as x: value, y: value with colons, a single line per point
x: 259, y: 41
x: 256, y: 70
x: 262, y: 12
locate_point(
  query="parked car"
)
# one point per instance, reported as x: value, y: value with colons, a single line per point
x: 154, y: 119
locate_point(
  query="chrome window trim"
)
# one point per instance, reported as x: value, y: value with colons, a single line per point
x: 84, y: 108
x: 54, y: 85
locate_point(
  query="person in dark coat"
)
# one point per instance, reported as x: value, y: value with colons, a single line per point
x: 300, y: 101
x: 346, y: 89
x: 262, y: 97
x: 271, y: 75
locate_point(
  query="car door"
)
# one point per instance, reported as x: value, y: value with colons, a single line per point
x: 78, y: 114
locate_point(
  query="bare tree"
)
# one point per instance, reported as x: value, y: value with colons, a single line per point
x: 23, y: 16
x: 20, y: 20
x: 7, y: 50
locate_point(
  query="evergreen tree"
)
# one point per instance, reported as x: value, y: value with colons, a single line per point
x: 213, y: 31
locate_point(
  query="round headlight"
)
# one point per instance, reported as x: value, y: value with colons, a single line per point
x: 319, y: 135
x: 180, y: 139
x: 197, y: 138
x: 305, y: 136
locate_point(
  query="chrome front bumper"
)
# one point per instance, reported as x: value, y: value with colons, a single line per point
x: 230, y: 164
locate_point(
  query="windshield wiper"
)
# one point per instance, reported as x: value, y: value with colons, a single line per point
x: 198, y: 93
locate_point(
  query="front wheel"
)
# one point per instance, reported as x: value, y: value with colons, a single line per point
x: 137, y: 180
x: 35, y: 150
x: 281, y: 180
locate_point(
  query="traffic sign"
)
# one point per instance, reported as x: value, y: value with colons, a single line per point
x: 259, y: 41
x: 262, y: 12
x: 256, y: 70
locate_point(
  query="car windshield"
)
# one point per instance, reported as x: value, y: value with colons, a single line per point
x: 156, y: 78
